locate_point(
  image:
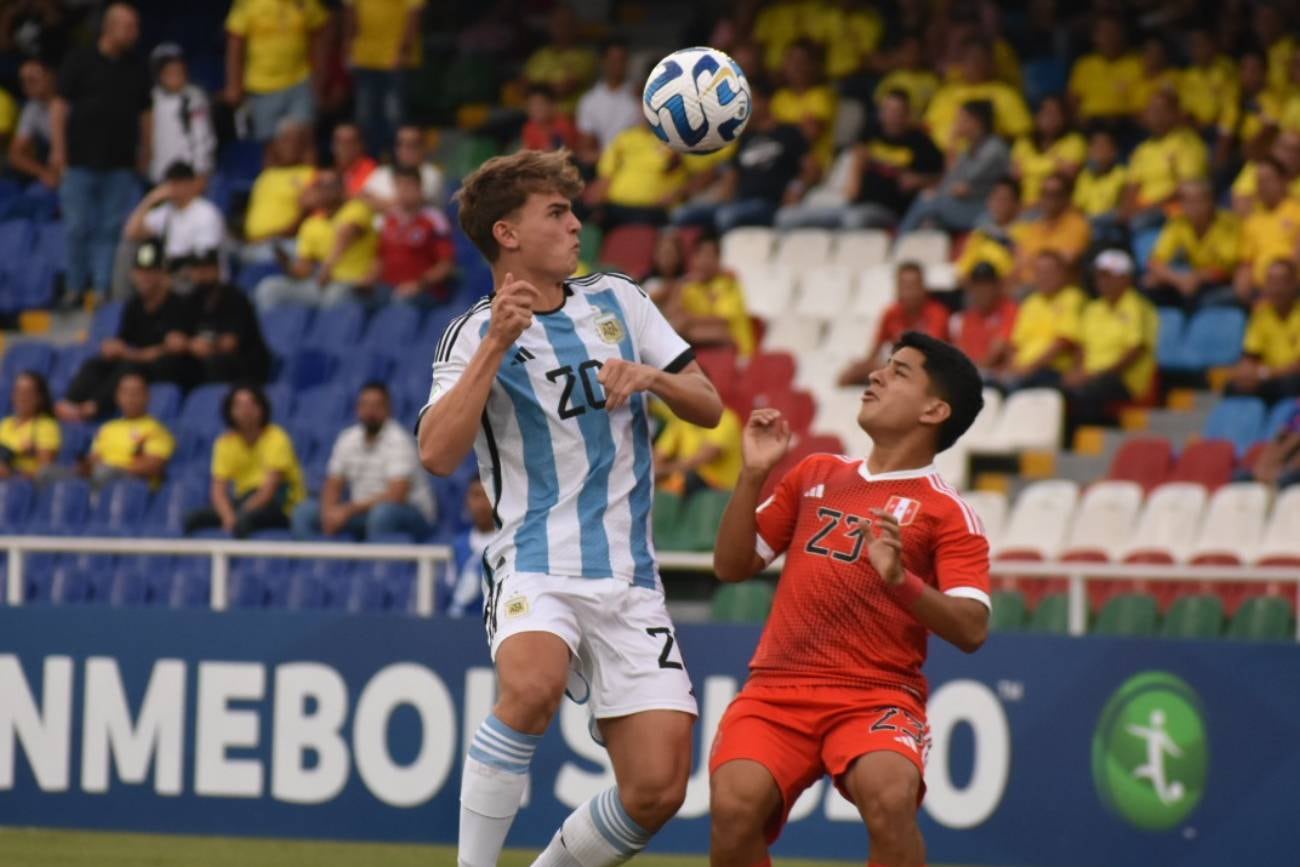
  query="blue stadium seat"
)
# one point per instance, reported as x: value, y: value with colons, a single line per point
x: 311, y: 366
x: 105, y: 322
x: 328, y: 406
x: 1237, y: 419
x: 1213, y: 338
x: 66, y: 365
x: 1143, y: 243
x: 337, y: 327
x: 393, y: 329
x: 1169, y: 346
x: 241, y: 161
x: 281, y: 397
x: 193, y: 455
x: 43, y: 574
x: 16, y: 241
x: 201, y: 412
x: 172, y: 503
x: 74, y: 445
x: 52, y: 243
x: 33, y: 286
x: 192, y: 583
x: 164, y: 401
x: 1278, y: 417
x: 16, y: 499
x: 1044, y: 76
x: 62, y: 508
x: 143, y: 580
x: 284, y: 326
x: 91, y: 578
x: 253, y: 273
x: 120, y: 508
x: 19, y: 357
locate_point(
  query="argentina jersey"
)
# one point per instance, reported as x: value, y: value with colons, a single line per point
x: 572, y: 484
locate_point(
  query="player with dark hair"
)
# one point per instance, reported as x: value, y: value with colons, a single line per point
x: 879, y: 553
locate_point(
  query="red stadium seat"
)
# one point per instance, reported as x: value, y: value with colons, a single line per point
x: 630, y: 249
x: 797, y: 407
x: 769, y: 371
x: 1206, y: 462
x: 719, y: 364
x: 1147, y: 461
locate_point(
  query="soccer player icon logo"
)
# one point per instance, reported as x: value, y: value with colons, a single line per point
x: 1158, y: 744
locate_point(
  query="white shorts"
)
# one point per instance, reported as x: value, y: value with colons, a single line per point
x: 625, y: 653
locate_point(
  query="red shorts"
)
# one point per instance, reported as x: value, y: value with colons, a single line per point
x: 800, y: 732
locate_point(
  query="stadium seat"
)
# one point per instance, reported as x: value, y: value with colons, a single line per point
x: 979, y: 436
x: 1030, y: 419
x: 1147, y: 461
x: 770, y: 371
x: 747, y: 248
x: 1280, y: 543
x: 75, y: 441
x: 66, y: 365
x: 393, y: 329
x: 861, y: 248
x: 745, y: 602
x: 104, y: 324
x: 1233, y: 524
x: 850, y: 336
x: 284, y: 326
x: 119, y: 508
x: 1198, y: 616
x: 1166, y: 529
x: 312, y: 366
x: 876, y: 291
x: 327, y: 406
x: 19, y: 357
x: 926, y: 246
x: 1206, y: 462
x: 1212, y: 339
x: 630, y: 249
x: 795, y: 333
x: 666, y: 519
x: 1240, y: 420
x: 991, y: 507
x: 824, y: 291
x: 1052, y: 615
x: 62, y: 508
x: 802, y: 249
x: 1169, y: 345
x: 1278, y: 416
x: 16, y: 499
x: 1128, y: 614
x: 1104, y: 520
x: 719, y: 364
x: 201, y: 412
x: 941, y: 276
x: 701, y: 516
x: 1263, y: 618
x: 336, y: 327
x: 1039, y: 520
x: 164, y: 401
x: 1009, y: 612
x: 769, y: 290
x: 953, y: 465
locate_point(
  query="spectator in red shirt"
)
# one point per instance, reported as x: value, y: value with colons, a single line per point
x: 914, y: 310
x: 983, y: 329
x: 416, y: 256
x: 547, y: 129
x: 350, y: 158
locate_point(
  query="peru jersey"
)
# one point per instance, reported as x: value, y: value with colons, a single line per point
x: 833, y: 619
x: 572, y: 484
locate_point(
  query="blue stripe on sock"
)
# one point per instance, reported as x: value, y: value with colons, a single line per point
x: 515, y: 737
x: 497, y: 762
x: 633, y: 833
x: 485, y: 740
x: 601, y: 822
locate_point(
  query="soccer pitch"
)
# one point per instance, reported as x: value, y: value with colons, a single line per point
x: 39, y: 847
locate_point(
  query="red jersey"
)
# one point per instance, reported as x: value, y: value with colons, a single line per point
x: 932, y: 320
x: 833, y: 620
x: 974, y: 332
x: 409, y: 246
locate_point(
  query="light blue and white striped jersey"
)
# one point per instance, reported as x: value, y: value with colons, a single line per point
x: 572, y: 484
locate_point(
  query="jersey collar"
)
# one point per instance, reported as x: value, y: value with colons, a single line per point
x: 896, y: 475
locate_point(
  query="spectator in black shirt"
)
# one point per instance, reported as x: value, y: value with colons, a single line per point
x: 152, y: 340
x: 227, y: 339
x: 772, y: 166
x: 100, y: 128
x: 874, y: 184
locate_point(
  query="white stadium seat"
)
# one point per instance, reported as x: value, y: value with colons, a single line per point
x: 940, y: 276
x: 1234, y: 522
x: 861, y: 248
x: 746, y: 247
x: 825, y: 291
x: 875, y: 290
x: 1169, y: 522
x: 804, y: 248
x: 769, y: 291
x: 991, y: 506
x: 851, y: 336
x: 953, y: 464
x: 816, y: 371
x: 1105, y: 519
x: 1040, y: 518
x: 978, y: 436
x: 837, y: 413
x: 794, y: 333
x: 1282, y: 533
x: 1030, y: 419
x: 926, y: 246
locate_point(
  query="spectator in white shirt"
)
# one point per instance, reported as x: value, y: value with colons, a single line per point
x: 380, y: 189
x: 465, y: 582
x: 182, y: 118
x: 187, y: 224
x: 29, y: 149
x: 374, y: 484
x: 610, y: 107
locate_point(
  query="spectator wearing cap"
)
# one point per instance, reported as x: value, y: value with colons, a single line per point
x: 382, y: 39
x: 29, y: 149
x: 182, y: 118
x: 374, y: 483
x: 351, y: 161
x: 101, y: 127
x: 957, y: 202
x: 274, y: 50
x: 982, y: 329
x: 416, y: 253
x: 410, y: 152
x: 1196, y: 253
x: 914, y: 310
x: 175, y: 213
x: 1117, y: 337
x: 227, y: 340
x: 610, y: 107
x: 153, y: 339
x: 135, y: 444
x: 1270, y: 366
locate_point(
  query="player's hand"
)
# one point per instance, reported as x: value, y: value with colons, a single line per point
x: 766, y: 440
x: 886, y: 548
x: 512, y: 310
x: 622, y: 378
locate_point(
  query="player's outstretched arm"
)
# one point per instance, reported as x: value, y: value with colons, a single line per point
x: 447, y: 430
x: 766, y: 441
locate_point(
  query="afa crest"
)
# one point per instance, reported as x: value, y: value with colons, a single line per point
x: 610, y: 328
x: 516, y: 606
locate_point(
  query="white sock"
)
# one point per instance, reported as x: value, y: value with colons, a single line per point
x: 491, y: 787
x: 599, y: 833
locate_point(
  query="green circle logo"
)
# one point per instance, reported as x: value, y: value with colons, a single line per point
x: 1150, y: 753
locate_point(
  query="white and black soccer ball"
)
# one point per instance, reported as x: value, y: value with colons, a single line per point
x: 697, y: 100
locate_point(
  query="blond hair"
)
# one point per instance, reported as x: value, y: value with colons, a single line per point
x: 501, y: 185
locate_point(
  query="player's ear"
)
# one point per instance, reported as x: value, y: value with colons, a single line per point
x: 936, y: 412
x: 506, y: 236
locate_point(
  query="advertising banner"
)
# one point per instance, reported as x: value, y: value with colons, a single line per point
x: 1046, y: 750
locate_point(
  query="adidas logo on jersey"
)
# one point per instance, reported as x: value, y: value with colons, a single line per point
x: 522, y: 356
x: 815, y: 491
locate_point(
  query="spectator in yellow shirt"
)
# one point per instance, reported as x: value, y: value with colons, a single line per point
x: 563, y: 65
x: 256, y: 478
x: 383, y: 38
x: 1249, y: 114
x: 274, y: 49
x: 1209, y: 83
x: 1117, y: 337
x: 709, y: 308
x: 1172, y: 154
x: 638, y: 178
x: 1046, y: 334
x: 1099, y: 189
x: 136, y: 445
x: 1157, y: 75
x: 1196, y: 254
x: 911, y: 75
x: 1101, y: 84
x: 689, y: 457
x: 335, y: 254
x: 1270, y: 367
x: 993, y: 240
x: 1011, y: 117
x: 1053, y: 148
x: 1058, y: 227
x: 1271, y: 31
x: 30, y: 438
x: 805, y: 101
x: 275, y: 204
x: 1286, y: 150
x: 1272, y: 232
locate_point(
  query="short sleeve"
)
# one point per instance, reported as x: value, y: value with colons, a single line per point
x: 961, y: 556
x: 777, y: 515
x: 609, y: 158
x: 657, y: 344
x: 459, y: 343
x: 156, y: 220
x: 223, y: 459
x: 313, y: 240
x: 48, y: 435
x: 338, y: 457
x: 1255, y: 339
x: 160, y: 443
x: 237, y: 20
x: 97, y: 444
x: 278, y: 452
x: 402, y: 458
x: 358, y: 214
x: 211, y: 233
x: 8, y: 113
x: 1166, y: 248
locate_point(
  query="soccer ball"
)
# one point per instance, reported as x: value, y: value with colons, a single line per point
x: 696, y: 100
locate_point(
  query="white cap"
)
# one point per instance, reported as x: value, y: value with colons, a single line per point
x: 1114, y: 262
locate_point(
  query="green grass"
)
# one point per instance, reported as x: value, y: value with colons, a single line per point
x: 39, y: 847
